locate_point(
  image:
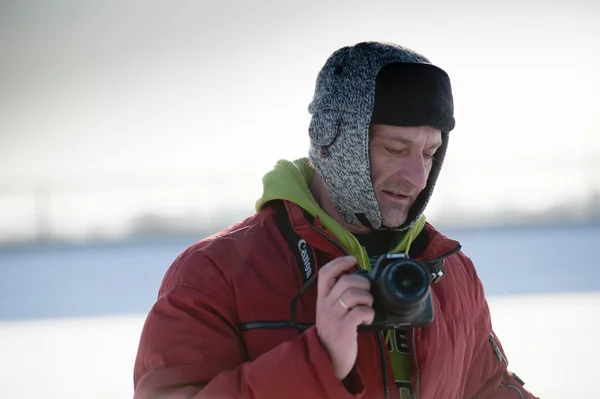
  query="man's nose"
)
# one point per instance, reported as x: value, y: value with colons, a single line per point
x: 415, y: 171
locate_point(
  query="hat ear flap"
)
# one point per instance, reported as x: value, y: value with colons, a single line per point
x: 324, y: 127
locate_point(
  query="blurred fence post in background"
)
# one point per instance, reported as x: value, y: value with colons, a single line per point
x: 43, y: 227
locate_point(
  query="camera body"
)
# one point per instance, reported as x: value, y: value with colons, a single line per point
x: 400, y: 289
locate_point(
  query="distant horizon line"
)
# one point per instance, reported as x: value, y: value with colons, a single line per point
x: 205, y: 231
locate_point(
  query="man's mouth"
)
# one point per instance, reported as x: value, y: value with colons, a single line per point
x: 396, y: 195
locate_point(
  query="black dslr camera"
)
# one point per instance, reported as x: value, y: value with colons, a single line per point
x: 400, y: 289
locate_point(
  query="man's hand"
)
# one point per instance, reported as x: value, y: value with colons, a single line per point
x: 343, y: 303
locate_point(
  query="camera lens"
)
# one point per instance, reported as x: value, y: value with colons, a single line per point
x: 409, y: 281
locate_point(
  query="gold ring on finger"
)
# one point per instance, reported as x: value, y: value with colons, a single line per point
x: 344, y: 304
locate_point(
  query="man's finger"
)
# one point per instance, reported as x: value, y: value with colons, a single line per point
x: 346, y: 282
x: 354, y: 297
x: 359, y: 315
x: 330, y: 272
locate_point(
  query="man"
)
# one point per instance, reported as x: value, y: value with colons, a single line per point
x: 271, y: 307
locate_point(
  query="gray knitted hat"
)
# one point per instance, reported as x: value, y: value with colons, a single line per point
x: 410, y: 92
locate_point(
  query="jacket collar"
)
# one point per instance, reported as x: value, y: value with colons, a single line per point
x: 435, y: 244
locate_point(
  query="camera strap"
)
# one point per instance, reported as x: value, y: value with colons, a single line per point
x: 304, y: 252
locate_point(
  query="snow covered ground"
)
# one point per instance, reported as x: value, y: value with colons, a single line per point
x: 551, y: 342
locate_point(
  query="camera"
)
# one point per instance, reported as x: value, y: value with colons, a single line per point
x: 400, y: 289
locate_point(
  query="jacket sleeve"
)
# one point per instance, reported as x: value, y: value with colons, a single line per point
x: 488, y: 374
x: 191, y: 347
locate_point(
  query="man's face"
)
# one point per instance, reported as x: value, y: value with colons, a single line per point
x: 401, y: 159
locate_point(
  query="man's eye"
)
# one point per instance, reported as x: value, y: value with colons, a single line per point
x: 394, y: 151
x: 429, y: 156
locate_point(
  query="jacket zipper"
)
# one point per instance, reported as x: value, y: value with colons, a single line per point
x: 272, y: 324
x: 502, y: 359
x: 497, y: 349
x: 386, y: 382
x: 515, y: 388
x: 439, y: 272
x: 417, y: 371
x: 331, y: 240
x: 445, y: 255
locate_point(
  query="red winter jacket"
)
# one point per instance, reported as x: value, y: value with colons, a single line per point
x: 221, y: 326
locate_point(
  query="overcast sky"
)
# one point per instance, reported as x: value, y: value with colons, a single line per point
x: 205, y: 96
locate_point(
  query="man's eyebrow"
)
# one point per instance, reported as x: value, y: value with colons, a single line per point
x: 399, y: 139
x: 403, y: 140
